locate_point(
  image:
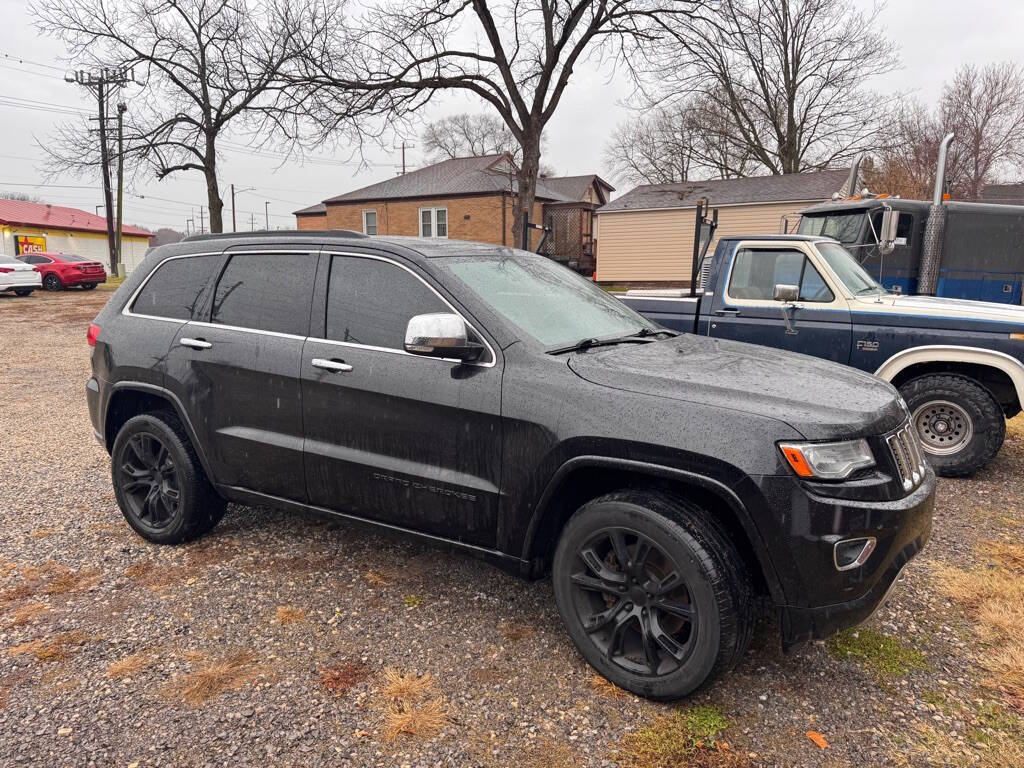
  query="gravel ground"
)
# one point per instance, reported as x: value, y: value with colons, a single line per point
x: 291, y: 640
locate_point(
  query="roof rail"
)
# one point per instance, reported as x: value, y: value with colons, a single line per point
x: 276, y: 233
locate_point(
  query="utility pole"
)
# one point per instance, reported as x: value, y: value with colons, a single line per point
x: 405, y: 146
x: 101, y: 82
x: 266, y: 213
x: 252, y: 221
x: 234, y: 226
x: 202, y: 220
x: 121, y: 109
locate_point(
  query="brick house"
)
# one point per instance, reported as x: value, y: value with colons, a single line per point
x: 469, y: 198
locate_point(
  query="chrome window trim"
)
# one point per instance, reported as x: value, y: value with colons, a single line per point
x: 490, y: 364
x: 773, y: 245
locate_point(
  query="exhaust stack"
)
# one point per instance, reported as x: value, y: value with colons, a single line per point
x: 851, y: 180
x: 931, y: 249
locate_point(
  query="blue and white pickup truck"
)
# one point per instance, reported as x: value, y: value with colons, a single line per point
x: 958, y: 364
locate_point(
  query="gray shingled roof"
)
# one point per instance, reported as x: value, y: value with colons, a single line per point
x: 573, y: 187
x: 817, y: 185
x: 1003, y: 193
x: 460, y: 176
x: 313, y: 210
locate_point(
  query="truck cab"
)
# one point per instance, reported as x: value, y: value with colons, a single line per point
x: 958, y: 364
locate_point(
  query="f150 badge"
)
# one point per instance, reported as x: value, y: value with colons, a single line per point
x: 867, y: 346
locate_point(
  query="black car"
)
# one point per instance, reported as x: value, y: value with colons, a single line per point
x: 490, y: 400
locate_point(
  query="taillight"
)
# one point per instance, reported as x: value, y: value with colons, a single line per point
x: 92, y: 334
x: 6, y: 270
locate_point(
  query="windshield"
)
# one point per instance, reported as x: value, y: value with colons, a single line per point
x: 846, y: 268
x: 548, y: 302
x: 844, y: 227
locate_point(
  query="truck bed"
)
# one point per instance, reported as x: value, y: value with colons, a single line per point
x: 673, y: 308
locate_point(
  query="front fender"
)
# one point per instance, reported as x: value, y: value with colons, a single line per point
x: 948, y: 353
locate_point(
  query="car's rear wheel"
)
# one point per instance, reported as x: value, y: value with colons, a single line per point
x: 88, y: 286
x: 23, y: 291
x: 52, y: 282
x: 159, y: 483
x: 959, y: 422
x: 652, y: 593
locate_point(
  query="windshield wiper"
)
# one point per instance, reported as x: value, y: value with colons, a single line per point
x: 642, y: 336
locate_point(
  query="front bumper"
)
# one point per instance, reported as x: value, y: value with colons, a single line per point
x: 820, y: 599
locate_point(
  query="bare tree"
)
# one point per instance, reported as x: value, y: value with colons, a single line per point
x: 516, y: 55
x: 468, y: 134
x: 984, y: 108
x: 678, y: 142
x: 208, y: 66
x: 789, y: 77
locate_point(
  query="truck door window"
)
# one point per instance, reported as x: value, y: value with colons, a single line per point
x: 756, y: 272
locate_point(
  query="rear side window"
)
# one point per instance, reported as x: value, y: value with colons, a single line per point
x: 174, y: 289
x: 266, y: 292
x: 370, y: 302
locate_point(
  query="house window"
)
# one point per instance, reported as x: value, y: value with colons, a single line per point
x: 370, y: 222
x: 433, y: 222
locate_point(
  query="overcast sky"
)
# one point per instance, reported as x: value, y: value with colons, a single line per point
x: 933, y: 37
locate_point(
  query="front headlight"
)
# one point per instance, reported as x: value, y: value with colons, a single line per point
x: 828, y: 461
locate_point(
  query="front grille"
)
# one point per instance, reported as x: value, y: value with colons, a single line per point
x: 906, y: 452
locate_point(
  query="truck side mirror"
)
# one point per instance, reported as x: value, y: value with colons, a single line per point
x: 786, y: 292
x: 887, y: 235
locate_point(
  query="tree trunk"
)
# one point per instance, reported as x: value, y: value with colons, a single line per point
x: 213, y: 200
x: 526, y: 178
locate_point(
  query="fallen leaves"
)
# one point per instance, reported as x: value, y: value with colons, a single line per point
x: 818, y: 740
x: 341, y: 678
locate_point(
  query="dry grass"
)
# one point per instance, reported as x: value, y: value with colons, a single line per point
x: 56, y: 648
x: 551, y: 754
x: 923, y: 744
x: 422, y: 721
x: 376, y: 579
x: 993, y: 596
x: 214, y: 679
x: 602, y: 686
x: 341, y: 678
x: 27, y: 613
x: 66, y: 580
x: 412, y: 708
x: 131, y: 665
x: 41, y: 533
x: 515, y: 632
x: 687, y: 737
x: 50, y: 578
x: 289, y: 614
x: 147, y: 573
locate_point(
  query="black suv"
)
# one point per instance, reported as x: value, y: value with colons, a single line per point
x: 488, y: 399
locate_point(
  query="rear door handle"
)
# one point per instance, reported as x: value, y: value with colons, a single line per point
x: 727, y: 311
x: 334, y: 366
x: 196, y: 343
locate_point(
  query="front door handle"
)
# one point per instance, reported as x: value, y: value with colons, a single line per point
x: 196, y: 343
x: 727, y: 311
x: 334, y: 366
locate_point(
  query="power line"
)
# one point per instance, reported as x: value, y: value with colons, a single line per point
x: 22, y: 60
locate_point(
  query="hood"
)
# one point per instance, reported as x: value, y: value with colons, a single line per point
x: 1001, y: 317
x: 819, y: 399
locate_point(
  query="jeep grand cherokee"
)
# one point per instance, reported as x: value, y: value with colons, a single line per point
x: 490, y: 400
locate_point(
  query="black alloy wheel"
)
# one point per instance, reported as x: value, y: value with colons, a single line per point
x: 653, y: 592
x: 52, y: 283
x: 149, y: 480
x: 633, y: 602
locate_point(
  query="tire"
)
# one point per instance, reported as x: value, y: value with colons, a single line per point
x: 626, y: 633
x: 23, y: 291
x: 88, y: 286
x: 140, y: 470
x: 52, y: 282
x: 959, y: 422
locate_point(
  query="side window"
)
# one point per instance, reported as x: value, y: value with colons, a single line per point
x: 433, y: 222
x: 370, y: 222
x: 756, y: 272
x: 174, y: 289
x: 266, y: 292
x: 370, y: 302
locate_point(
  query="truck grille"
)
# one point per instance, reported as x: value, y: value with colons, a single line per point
x: 906, y: 452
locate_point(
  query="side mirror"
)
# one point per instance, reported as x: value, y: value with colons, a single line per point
x: 887, y: 235
x: 441, y: 334
x: 785, y: 292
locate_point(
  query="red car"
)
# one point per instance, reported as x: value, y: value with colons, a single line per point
x: 63, y: 270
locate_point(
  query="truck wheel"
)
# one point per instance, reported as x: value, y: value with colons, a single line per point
x: 652, y: 593
x: 960, y: 424
x: 159, y: 483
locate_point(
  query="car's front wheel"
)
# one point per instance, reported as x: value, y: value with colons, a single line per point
x: 159, y: 483
x: 652, y: 593
x: 960, y: 424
